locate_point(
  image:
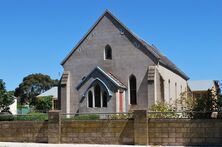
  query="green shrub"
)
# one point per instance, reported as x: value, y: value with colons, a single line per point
x: 44, y: 103
x: 162, y: 110
x: 29, y: 117
x: 33, y: 117
x: 7, y: 118
x: 120, y: 116
x: 84, y: 117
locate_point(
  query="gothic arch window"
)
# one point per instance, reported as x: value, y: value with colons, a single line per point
x: 133, y: 94
x: 104, y: 99
x: 97, y: 94
x: 175, y: 90
x: 162, y: 88
x: 169, y: 88
x: 90, y: 99
x: 108, y: 53
x: 181, y: 88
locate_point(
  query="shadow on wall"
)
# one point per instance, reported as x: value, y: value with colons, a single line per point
x: 127, y: 134
x: 42, y: 130
x: 142, y: 93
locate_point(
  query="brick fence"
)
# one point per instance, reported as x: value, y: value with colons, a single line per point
x: 139, y: 130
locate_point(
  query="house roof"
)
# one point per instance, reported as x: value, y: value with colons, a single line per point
x: 107, y: 74
x: 163, y: 60
x: 200, y: 85
x: 51, y: 92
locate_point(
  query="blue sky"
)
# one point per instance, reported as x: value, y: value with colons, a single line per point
x: 35, y: 36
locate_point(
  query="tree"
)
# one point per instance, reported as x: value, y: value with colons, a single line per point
x: 219, y: 99
x: 6, y: 98
x: 33, y: 85
x: 2, y: 85
x: 185, y: 102
x: 44, y: 103
x: 202, y: 106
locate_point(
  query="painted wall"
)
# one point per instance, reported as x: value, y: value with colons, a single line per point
x: 13, y: 107
x: 171, y: 91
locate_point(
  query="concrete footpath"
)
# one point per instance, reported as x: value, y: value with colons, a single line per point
x: 10, y: 144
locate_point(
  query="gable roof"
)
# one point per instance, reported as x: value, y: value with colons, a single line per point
x: 51, y: 92
x: 163, y: 60
x: 110, y: 76
x: 153, y: 50
x: 200, y: 85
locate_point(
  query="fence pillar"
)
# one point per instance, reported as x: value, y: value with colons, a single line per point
x: 140, y: 127
x: 54, y: 126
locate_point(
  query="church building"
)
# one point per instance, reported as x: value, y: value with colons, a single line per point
x: 111, y: 70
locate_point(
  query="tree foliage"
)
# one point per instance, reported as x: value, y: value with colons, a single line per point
x: 162, y: 110
x: 202, y: 106
x: 44, y: 103
x: 185, y: 102
x: 189, y: 106
x: 6, y: 98
x: 33, y: 85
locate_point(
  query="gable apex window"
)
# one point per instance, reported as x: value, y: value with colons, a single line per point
x: 108, y: 53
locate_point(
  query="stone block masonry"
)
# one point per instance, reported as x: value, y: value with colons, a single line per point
x: 54, y: 126
x: 139, y: 131
x: 24, y: 131
x: 98, y: 132
x: 185, y: 132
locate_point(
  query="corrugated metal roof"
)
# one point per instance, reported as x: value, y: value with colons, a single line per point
x: 51, y: 92
x: 200, y: 85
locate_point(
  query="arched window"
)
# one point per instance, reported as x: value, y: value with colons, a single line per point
x: 162, y: 88
x: 104, y: 99
x: 90, y: 99
x: 132, y: 84
x: 175, y: 90
x: 181, y: 89
x: 169, y: 88
x: 97, y: 94
x: 108, y: 52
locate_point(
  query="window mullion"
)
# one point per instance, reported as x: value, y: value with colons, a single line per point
x: 93, y: 98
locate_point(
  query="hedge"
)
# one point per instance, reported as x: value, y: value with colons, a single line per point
x: 29, y: 117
